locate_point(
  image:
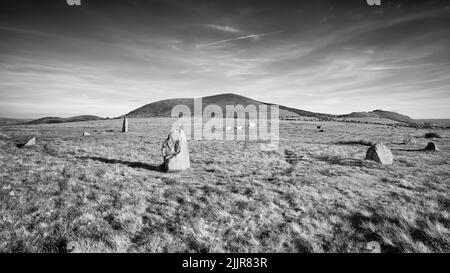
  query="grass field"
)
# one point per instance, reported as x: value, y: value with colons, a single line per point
x: 315, y: 193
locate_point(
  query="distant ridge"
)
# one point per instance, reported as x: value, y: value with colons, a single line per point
x: 12, y: 121
x: 163, y: 108
x: 51, y: 120
x: 381, y: 114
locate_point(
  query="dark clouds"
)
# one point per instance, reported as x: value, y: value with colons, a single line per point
x: 108, y: 57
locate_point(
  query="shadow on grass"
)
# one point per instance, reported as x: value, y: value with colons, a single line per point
x: 357, y: 221
x: 409, y: 150
x: 348, y: 162
x: 355, y: 142
x: 138, y: 165
x: 292, y: 158
x: 414, y: 150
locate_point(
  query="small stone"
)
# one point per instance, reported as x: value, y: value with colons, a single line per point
x: 86, y: 134
x: 408, y: 141
x: 11, y: 193
x: 431, y: 147
x: 380, y: 153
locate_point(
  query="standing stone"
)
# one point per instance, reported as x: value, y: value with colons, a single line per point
x: 431, y: 147
x: 175, y: 151
x: 125, y: 125
x: 380, y: 153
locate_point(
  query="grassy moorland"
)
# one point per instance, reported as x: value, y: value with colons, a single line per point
x: 315, y: 193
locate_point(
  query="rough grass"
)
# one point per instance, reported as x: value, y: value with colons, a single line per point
x: 315, y: 193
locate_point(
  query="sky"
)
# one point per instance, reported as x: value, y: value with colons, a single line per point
x: 108, y: 58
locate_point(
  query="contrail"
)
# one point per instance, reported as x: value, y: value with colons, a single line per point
x: 239, y: 38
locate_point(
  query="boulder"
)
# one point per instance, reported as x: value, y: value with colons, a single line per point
x: 125, y: 125
x: 431, y: 147
x: 175, y: 151
x: 380, y: 153
x: 86, y: 134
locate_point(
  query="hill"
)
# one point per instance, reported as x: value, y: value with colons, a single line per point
x: 51, y: 120
x: 163, y: 108
x: 382, y: 115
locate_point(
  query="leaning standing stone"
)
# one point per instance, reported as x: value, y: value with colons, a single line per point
x: 29, y: 143
x: 175, y: 151
x: 380, y: 153
x: 125, y: 125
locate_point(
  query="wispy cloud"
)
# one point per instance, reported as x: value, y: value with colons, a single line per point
x: 223, y: 28
x: 252, y: 37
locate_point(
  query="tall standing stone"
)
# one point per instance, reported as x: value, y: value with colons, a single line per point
x: 175, y: 151
x: 125, y: 125
x: 380, y: 153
